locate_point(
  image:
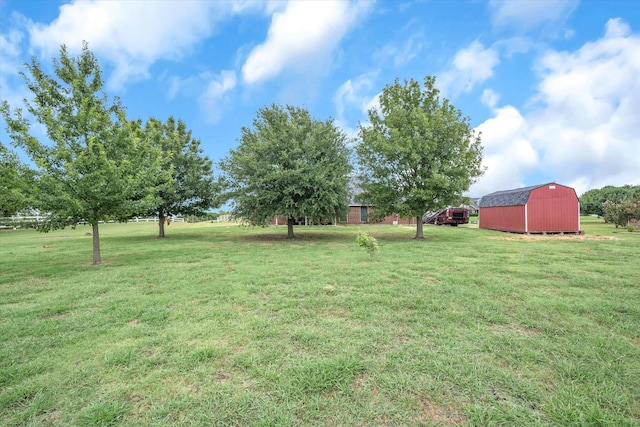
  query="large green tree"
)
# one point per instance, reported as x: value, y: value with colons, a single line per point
x: 288, y: 164
x: 16, y: 181
x: 190, y: 187
x: 95, y: 164
x: 417, y: 154
x: 621, y: 213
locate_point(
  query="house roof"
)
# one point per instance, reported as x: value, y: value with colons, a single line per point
x: 515, y: 197
x: 474, y: 202
x: 354, y: 191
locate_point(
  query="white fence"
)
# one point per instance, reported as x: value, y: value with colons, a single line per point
x: 155, y: 219
x: 9, y: 221
x: 33, y: 218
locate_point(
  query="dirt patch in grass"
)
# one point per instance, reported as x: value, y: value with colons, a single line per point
x: 337, y: 313
x: 50, y: 417
x: 298, y: 237
x: 517, y: 329
x: 223, y: 377
x: 439, y: 414
x: 61, y: 315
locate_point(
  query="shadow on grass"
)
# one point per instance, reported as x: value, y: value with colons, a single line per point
x: 338, y: 234
x: 277, y: 235
x: 299, y: 236
x: 175, y: 237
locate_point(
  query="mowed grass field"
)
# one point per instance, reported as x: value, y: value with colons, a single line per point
x: 229, y: 325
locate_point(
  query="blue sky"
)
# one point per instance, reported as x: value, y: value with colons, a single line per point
x: 554, y: 86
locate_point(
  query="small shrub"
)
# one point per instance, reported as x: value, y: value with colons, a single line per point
x: 631, y: 228
x: 368, y: 242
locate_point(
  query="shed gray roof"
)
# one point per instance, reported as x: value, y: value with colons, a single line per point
x: 515, y: 197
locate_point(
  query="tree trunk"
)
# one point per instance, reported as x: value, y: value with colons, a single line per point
x: 96, y: 245
x: 290, y: 227
x: 161, y: 220
x: 419, y: 226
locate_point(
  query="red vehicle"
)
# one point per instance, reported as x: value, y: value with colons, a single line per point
x: 450, y: 216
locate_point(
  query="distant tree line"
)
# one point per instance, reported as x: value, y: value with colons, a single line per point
x: 418, y: 153
x: 591, y: 202
x: 617, y: 205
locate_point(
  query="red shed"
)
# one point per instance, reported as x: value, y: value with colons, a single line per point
x: 546, y: 208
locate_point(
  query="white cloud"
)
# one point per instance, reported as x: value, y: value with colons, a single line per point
x: 516, y: 44
x: 508, y: 153
x: 409, y: 50
x: 211, y: 90
x: 354, y: 93
x: 212, y: 98
x: 374, y: 103
x: 242, y: 6
x: 587, y: 125
x: 130, y: 34
x: 178, y: 85
x: 616, y: 28
x: 352, y: 98
x: 402, y: 54
x: 10, y: 66
x: 471, y: 66
x: 10, y: 51
x: 489, y: 98
x: 583, y: 122
x: 302, y: 37
x: 12, y: 87
x: 526, y: 15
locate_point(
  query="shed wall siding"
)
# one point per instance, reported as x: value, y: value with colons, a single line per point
x: 503, y: 218
x: 553, y: 210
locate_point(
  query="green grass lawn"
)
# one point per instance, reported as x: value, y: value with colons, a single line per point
x: 228, y: 325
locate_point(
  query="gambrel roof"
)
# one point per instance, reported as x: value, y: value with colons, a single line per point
x: 515, y: 197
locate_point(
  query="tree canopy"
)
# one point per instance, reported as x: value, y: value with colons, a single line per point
x: 288, y: 164
x: 620, y: 214
x: 591, y: 202
x: 95, y: 165
x: 189, y: 188
x: 15, y: 182
x: 417, y: 154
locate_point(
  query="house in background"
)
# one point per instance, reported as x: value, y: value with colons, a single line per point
x: 546, y: 208
x: 474, y: 205
x: 357, y: 214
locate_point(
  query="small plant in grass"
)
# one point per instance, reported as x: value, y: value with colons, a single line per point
x: 631, y: 228
x: 368, y: 242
